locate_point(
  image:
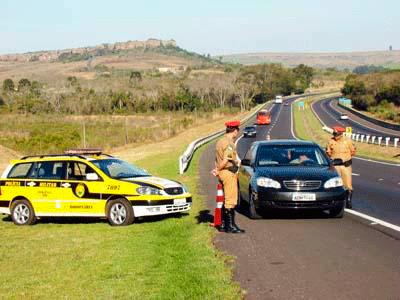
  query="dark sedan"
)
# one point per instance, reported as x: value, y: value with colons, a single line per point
x: 289, y: 174
x: 250, y: 131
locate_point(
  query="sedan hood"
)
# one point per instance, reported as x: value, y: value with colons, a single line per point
x: 297, y: 172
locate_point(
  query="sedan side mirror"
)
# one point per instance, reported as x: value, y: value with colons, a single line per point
x: 92, y: 177
x: 245, y: 162
x: 337, y: 162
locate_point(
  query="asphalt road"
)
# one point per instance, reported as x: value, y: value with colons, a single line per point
x: 376, y: 185
x: 305, y: 255
x: 329, y: 112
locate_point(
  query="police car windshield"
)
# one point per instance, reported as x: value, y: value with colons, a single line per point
x: 117, y: 169
x: 283, y: 155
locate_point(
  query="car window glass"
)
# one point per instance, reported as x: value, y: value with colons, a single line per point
x: 289, y: 155
x: 249, y: 154
x: 49, y: 170
x: 20, y: 171
x: 78, y: 170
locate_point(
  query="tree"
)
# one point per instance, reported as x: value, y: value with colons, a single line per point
x: 24, y: 84
x: 303, y: 75
x: 72, y: 81
x: 8, y: 85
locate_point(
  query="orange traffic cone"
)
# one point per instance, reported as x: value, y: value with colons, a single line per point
x: 218, y: 209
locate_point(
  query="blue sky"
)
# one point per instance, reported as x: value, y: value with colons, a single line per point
x: 215, y: 27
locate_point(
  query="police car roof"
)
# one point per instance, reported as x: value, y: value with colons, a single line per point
x: 55, y: 157
x: 286, y: 143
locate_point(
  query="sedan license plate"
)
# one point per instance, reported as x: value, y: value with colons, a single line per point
x: 179, y: 201
x: 303, y: 197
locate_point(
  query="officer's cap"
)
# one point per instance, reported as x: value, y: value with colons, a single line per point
x: 232, y: 124
x: 339, y: 129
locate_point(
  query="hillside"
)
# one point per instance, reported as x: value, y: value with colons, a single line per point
x: 87, y: 63
x: 340, y: 60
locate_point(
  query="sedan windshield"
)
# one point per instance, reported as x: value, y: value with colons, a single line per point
x: 117, y: 169
x: 288, y: 155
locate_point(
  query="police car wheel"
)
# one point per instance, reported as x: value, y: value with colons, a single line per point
x: 253, y: 213
x: 119, y: 212
x: 22, y: 213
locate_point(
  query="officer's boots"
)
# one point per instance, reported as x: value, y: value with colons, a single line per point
x: 234, y: 222
x: 221, y: 228
x: 348, y: 199
x: 230, y: 226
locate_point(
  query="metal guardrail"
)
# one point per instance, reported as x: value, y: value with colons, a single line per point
x: 186, y: 157
x: 369, y: 139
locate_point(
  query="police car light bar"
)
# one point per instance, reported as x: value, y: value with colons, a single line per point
x: 83, y: 151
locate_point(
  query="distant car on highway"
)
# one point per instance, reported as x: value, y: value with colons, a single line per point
x: 286, y: 103
x: 278, y: 99
x: 250, y: 131
x: 344, y: 117
x: 263, y: 117
x: 290, y: 175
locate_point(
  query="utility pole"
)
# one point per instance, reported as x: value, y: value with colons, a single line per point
x: 126, y: 130
x: 84, y: 134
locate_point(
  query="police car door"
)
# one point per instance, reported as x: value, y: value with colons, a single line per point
x: 84, y: 192
x: 43, y: 187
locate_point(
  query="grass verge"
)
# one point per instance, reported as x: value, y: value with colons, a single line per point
x: 161, y: 258
x: 308, y: 127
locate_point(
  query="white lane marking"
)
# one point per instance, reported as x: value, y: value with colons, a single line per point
x: 377, y: 162
x: 372, y: 219
x: 380, y: 179
x: 237, y: 141
x: 355, y: 174
x: 315, y: 114
x: 350, y: 211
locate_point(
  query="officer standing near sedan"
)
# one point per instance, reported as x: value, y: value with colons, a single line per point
x: 342, y: 148
x: 226, y: 168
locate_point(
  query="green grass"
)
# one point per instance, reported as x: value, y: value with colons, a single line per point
x: 308, y: 127
x: 162, y: 258
x: 39, y: 134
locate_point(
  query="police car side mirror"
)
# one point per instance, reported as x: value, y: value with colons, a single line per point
x: 92, y: 177
x: 337, y: 162
x: 245, y: 162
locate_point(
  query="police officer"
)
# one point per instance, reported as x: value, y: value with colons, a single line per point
x: 226, y: 168
x: 342, y: 148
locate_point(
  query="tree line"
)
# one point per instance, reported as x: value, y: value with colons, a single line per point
x: 377, y: 92
x: 145, y: 91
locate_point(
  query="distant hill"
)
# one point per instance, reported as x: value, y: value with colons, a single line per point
x: 90, y: 62
x: 85, y: 52
x: 340, y: 60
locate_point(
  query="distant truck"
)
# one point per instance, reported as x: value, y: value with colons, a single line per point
x: 278, y: 99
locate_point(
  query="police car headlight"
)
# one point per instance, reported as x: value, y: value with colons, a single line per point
x: 185, y: 189
x: 146, y: 190
x: 333, y: 182
x: 268, y: 182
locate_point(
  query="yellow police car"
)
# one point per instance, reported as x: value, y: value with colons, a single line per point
x: 86, y: 183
